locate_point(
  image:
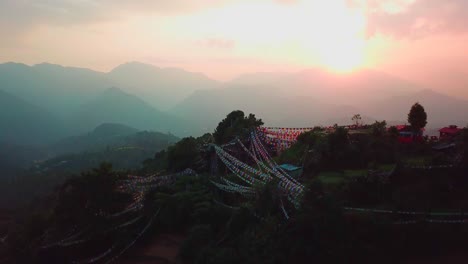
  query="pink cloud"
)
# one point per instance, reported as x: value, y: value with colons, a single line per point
x: 418, y: 19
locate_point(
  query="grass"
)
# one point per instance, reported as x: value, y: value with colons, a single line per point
x: 339, y: 177
x: 416, y: 161
x: 386, y: 167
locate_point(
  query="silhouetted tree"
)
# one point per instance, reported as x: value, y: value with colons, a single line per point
x: 379, y: 128
x: 184, y: 154
x: 235, y: 124
x: 357, y: 119
x: 393, y: 132
x: 417, y: 117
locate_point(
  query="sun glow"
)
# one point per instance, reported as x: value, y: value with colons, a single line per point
x: 337, y: 37
x: 342, y: 54
x: 312, y: 33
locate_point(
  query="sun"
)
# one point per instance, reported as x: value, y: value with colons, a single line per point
x: 337, y: 36
x: 343, y: 55
x: 328, y: 34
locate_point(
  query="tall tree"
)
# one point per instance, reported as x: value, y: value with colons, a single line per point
x: 357, y: 119
x: 379, y: 128
x: 184, y: 154
x: 417, y: 117
x: 235, y: 124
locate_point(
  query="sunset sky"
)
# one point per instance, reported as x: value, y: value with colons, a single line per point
x: 423, y: 40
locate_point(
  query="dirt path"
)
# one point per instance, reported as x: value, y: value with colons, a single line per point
x: 163, y: 249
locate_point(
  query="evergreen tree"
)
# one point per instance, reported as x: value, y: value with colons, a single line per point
x: 235, y: 124
x: 417, y: 117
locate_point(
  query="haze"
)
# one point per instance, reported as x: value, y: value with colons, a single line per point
x: 233, y: 131
x: 226, y: 38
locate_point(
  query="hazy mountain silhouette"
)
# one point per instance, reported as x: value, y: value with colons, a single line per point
x: 361, y: 86
x: 112, y: 135
x: 59, y: 89
x: 115, y: 106
x: 24, y: 123
x: 441, y: 109
x: 63, y: 89
x: 112, y: 130
x: 318, y: 97
x: 161, y: 87
x: 208, y: 107
x: 302, y: 98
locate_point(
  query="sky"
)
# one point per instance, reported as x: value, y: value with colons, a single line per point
x: 420, y: 40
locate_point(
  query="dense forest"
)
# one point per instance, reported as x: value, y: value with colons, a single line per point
x: 30, y: 171
x: 362, y: 196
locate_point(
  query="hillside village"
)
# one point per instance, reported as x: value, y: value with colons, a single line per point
x: 211, y: 195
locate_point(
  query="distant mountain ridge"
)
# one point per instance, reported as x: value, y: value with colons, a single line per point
x: 58, y: 89
x: 113, y: 135
x: 113, y: 129
x: 161, y: 87
x: 64, y: 89
x: 365, y: 85
x: 442, y: 110
x: 116, y: 106
x: 84, y: 99
x: 317, y: 97
x: 26, y: 123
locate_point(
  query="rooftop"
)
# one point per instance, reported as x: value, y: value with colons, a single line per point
x: 289, y: 167
x: 450, y: 130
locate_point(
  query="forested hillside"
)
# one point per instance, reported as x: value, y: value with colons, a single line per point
x: 360, y: 193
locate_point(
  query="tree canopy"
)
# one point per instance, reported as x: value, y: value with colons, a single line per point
x: 235, y: 123
x: 357, y: 119
x: 417, y: 117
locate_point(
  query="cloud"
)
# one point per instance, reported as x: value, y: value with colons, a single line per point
x: 416, y: 18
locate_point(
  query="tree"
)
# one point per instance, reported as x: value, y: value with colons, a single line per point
x: 184, y: 154
x: 357, y: 119
x: 235, y: 124
x: 417, y: 117
x: 379, y: 128
x: 393, y: 132
x: 337, y: 146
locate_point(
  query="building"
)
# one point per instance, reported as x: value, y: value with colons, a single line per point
x: 407, y: 135
x: 449, y: 132
x: 292, y: 170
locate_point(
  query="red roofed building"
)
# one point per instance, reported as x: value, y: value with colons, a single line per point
x: 407, y: 135
x: 449, y: 132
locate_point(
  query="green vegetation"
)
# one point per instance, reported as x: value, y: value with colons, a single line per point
x: 343, y: 170
x: 235, y: 124
x: 26, y: 174
x: 339, y: 177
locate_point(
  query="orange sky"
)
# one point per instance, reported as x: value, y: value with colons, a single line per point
x: 421, y: 40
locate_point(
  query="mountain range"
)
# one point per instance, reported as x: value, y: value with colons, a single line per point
x: 126, y: 147
x: 21, y: 121
x: 123, y: 146
x: 65, y: 89
x: 46, y: 102
x: 112, y: 135
x: 315, y: 97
